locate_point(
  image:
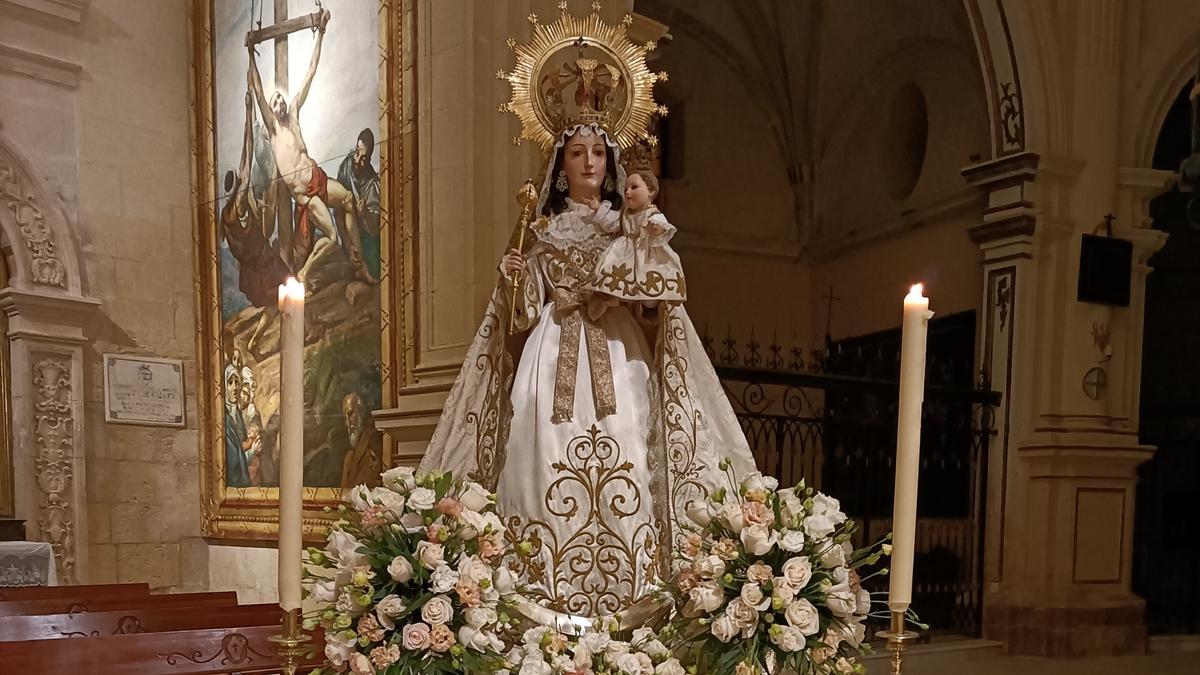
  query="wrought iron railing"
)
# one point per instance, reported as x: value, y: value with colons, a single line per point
x: 829, y: 416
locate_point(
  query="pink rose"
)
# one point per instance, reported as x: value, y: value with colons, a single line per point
x: 450, y: 507
x: 757, y: 513
x: 360, y: 665
x: 415, y: 637
x: 468, y: 593
x: 491, y: 546
x: 370, y: 627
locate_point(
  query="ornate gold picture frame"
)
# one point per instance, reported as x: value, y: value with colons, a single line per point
x: 335, y: 212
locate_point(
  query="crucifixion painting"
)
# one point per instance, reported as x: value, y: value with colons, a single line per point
x: 296, y: 117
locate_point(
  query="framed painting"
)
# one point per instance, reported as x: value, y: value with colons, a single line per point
x: 298, y: 136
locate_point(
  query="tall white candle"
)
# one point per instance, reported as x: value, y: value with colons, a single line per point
x: 908, y: 446
x: 291, y: 432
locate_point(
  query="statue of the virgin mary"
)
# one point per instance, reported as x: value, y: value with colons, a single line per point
x: 600, y: 426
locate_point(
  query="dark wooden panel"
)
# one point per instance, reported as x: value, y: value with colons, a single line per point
x: 54, y: 592
x: 103, y: 604
x: 130, y: 621
x: 190, y: 652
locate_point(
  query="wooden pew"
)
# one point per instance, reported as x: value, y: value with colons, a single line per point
x: 52, y: 592
x: 101, y: 604
x: 188, y: 652
x: 129, y: 621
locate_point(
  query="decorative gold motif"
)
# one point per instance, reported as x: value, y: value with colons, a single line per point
x: 624, y: 280
x: 679, y: 470
x: 594, y: 569
x: 491, y: 420
x: 53, y: 430
x: 235, y: 651
x: 580, y: 70
x: 573, y: 318
x: 45, y: 265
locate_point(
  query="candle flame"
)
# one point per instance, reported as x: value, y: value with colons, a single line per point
x: 917, y: 292
x: 291, y: 290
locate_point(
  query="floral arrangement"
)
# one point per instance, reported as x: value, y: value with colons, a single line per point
x: 767, y: 581
x: 544, y: 651
x: 411, y: 581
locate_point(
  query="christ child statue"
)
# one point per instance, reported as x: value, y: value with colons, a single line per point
x: 639, y: 265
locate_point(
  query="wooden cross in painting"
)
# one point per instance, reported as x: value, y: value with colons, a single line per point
x: 279, y: 32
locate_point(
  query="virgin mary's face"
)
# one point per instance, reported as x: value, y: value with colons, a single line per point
x: 585, y: 162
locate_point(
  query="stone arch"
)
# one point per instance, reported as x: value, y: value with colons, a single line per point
x: 1160, y: 96
x: 36, y: 235
x: 1020, y: 74
x: 47, y: 314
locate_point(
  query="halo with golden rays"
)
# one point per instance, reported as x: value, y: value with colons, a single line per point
x: 629, y: 124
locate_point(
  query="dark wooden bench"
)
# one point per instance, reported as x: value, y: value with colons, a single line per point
x: 188, y: 652
x: 74, y: 605
x: 130, y: 621
x: 52, y: 592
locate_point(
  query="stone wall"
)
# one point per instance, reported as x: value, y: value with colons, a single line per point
x: 135, y: 233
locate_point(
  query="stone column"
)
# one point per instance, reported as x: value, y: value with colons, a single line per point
x: 46, y: 334
x: 1061, y: 471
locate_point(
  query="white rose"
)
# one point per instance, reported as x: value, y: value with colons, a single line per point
x: 472, y: 637
x: 504, y: 582
x: 835, y: 555
x: 670, y: 667
x: 818, y: 526
x: 339, y: 647
x: 615, y: 648
x: 802, y: 615
x: 854, y: 631
x: 343, y: 549
x: 655, y: 649
x: 437, y: 611
x: 792, y: 541
x: 324, y: 591
x: 757, y: 481
x: 473, y: 569
x: 752, y: 595
x: 389, y: 499
x: 798, y: 572
x: 783, y: 590
x: 723, y: 628
x: 744, y: 616
x: 841, y: 600
x: 788, y: 638
x: 707, y: 597
x: 421, y: 499
x: 400, y: 569
x: 401, y: 477
x: 474, y: 497
x: 731, y: 511
x: 478, y: 617
x: 415, y: 637
x: 710, y: 567
x: 700, y: 512
x: 534, y: 664
x: 595, y: 642
x: 862, y: 602
x: 759, y: 539
x: 431, y: 555
x: 829, y: 507
x: 443, y: 579
x: 629, y: 664
x: 359, y: 497
x: 412, y: 522
x: 388, y: 608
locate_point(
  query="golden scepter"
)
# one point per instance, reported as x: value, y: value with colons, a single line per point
x: 526, y: 197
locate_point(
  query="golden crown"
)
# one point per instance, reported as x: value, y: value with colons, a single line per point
x: 581, y: 70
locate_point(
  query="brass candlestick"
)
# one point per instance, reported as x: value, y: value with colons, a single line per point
x: 291, y: 643
x: 897, y: 641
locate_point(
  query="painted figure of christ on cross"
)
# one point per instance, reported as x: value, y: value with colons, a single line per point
x: 312, y: 190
